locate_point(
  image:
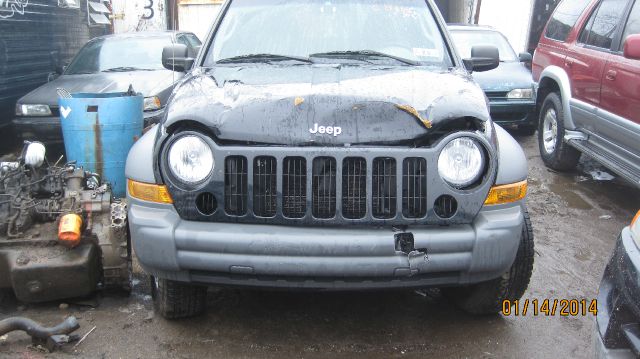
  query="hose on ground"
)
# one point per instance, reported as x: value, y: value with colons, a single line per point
x: 36, y: 330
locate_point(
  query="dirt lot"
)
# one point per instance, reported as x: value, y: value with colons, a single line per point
x: 576, y: 222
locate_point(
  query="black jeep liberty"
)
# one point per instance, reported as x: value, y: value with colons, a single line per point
x: 330, y: 145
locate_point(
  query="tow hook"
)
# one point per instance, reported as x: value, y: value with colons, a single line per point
x: 405, y: 243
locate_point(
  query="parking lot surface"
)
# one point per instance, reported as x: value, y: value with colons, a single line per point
x: 576, y: 222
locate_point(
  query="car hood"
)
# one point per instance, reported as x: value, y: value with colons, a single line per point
x: 149, y: 83
x: 506, y: 77
x: 272, y: 104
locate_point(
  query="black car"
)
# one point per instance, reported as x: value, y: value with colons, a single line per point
x: 106, y: 64
x: 510, y: 87
x: 618, y: 320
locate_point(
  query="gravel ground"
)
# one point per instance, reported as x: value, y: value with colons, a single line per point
x: 576, y: 222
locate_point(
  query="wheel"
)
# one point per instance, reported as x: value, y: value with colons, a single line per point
x: 527, y: 130
x: 487, y: 297
x: 175, y: 300
x: 555, y: 153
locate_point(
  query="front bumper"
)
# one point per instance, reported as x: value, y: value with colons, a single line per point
x: 48, y: 129
x: 618, y: 320
x: 43, y: 270
x: 513, y: 112
x: 322, y: 257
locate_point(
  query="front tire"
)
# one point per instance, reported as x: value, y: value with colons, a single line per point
x: 487, y: 297
x: 555, y: 152
x: 174, y: 300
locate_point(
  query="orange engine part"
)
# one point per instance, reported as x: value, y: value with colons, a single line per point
x: 70, y: 230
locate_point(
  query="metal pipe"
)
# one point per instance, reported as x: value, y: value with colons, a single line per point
x: 36, y: 330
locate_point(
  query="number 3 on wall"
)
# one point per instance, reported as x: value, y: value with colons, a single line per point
x: 148, y: 11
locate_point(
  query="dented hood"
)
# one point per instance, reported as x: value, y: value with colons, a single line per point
x: 324, y: 104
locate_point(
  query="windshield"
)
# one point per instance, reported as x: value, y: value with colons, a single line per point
x: 465, y: 40
x: 331, y: 30
x: 119, y: 54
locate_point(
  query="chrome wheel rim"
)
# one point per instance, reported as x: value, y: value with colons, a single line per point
x: 550, y: 131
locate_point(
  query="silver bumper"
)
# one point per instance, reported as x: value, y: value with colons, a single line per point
x: 322, y: 257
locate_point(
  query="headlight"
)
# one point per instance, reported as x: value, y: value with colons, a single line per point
x: 520, y: 94
x: 190, y: 159
x: 461, y: 162
x: 152, y: 103
x: 33, y: 110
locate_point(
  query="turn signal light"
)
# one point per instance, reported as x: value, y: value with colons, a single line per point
x: 506, y: 193
x: 149, y: 192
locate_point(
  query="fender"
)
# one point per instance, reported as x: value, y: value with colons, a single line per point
x: 512, y: 162
x: 139, y: 165
x: 559, y: 76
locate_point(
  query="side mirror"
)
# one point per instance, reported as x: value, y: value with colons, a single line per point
x: 60, y: 69
x: 483, y: 58
x: 632, y: 47
x: 525, y: 57
x: 176, y: 58
x: 52, y: 76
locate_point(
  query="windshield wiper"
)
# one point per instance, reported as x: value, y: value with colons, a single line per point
x: 363, y: 53
x: 262, y: 58
x: 125, y: 69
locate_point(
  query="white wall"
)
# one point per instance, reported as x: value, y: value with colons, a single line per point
x: 198, y: 16
x: 511, y: 17
x: 139, y: 15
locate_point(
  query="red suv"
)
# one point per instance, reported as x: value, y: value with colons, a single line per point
x: 587, y: 67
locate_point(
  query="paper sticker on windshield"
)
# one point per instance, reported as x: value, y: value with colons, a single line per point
x: 422, y: 52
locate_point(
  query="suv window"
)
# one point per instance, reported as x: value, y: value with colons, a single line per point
x: 603, y: 24
x: 633, y: 25
x: 564, y: 18
x: 402, y: 28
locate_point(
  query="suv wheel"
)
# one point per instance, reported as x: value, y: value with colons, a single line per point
x: 175, y: 300
x: 487, y: 297
x: 555, y: 153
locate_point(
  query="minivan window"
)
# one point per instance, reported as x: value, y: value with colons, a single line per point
x: 564, y: 18
x: 292, y: 29
x: 466, y: 40
x: 633, y: 25
x: 604, y: 23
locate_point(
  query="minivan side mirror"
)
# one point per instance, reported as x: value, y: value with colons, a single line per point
x: 483, y: 58
x: 632, y: 47
x: 176, y: 58
x: 60, y: 69
x: 525, y: 57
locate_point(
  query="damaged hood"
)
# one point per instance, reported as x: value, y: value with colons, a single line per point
x: 149, y: 83
x: 324, y: 104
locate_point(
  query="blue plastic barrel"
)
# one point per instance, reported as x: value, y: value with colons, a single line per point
x: 98, y: 132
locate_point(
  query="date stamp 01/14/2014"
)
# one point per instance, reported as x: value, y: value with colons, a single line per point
x: 550, y: 307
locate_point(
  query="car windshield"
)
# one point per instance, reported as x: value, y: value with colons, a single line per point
x: 465, y: 40
x: 115, y: 54
x: 402, y: 32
